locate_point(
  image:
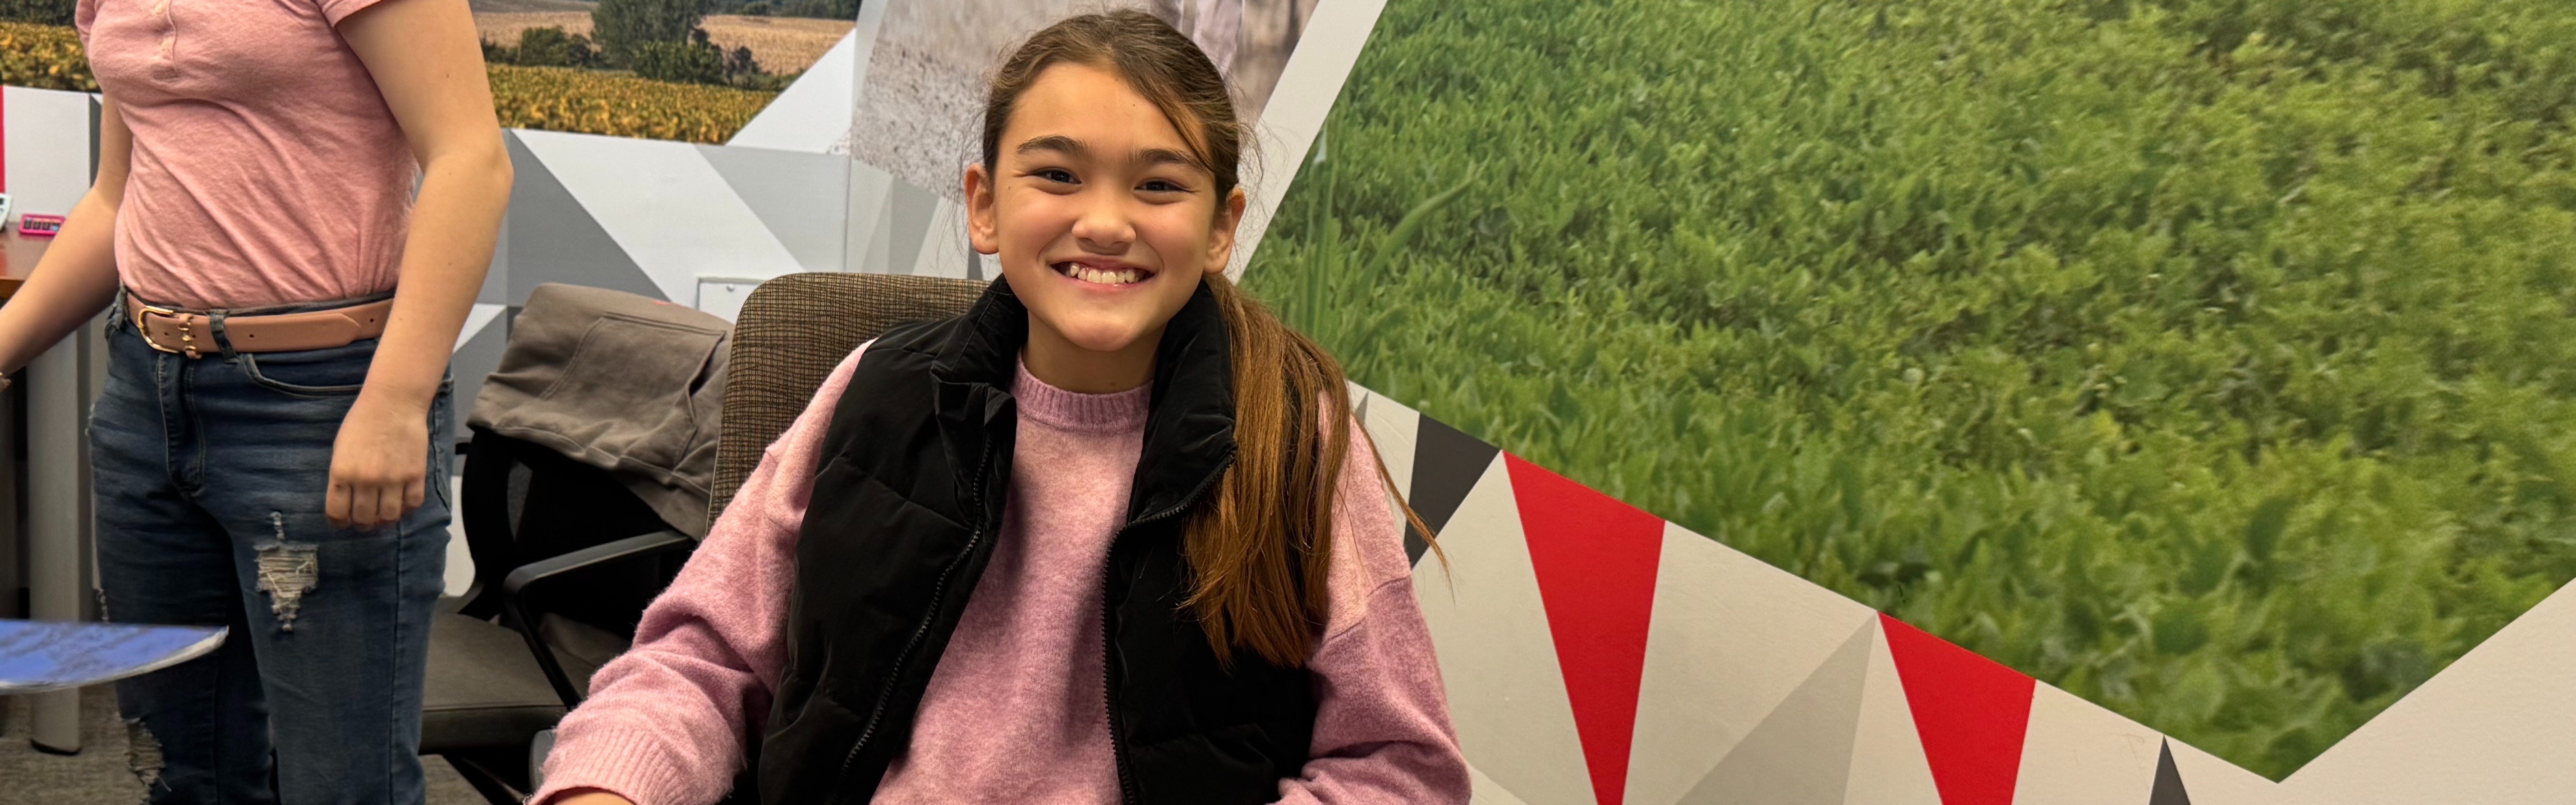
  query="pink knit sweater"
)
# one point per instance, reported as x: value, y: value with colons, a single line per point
x: 1013, y: 711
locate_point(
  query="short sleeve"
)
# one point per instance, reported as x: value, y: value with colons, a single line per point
x: 334, y: 11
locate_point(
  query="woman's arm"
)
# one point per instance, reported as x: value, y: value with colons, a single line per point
x: 667, y: 721
x: 427, y: 63
x: 77, y: 275
x: 1382, y: 732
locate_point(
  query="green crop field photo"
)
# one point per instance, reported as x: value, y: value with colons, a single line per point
x: 2214, y: 360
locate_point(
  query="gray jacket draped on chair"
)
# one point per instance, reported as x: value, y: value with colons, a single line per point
x: 626, y: 383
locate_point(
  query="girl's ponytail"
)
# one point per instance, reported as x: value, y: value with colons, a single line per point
x: 1262, y: 544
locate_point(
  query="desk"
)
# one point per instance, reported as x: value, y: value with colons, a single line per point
x: 57, y: 388
x: 18, y: 258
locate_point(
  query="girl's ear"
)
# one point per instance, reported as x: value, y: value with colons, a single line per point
x: 1221, y: 236
x: 981, y: 229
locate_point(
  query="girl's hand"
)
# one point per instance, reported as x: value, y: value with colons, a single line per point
x: 593, y: 796
x: 379, y: 465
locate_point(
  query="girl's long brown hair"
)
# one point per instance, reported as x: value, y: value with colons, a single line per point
x: 1260, y: 548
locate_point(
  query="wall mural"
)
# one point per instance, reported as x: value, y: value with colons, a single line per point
x: 1823, y: 401
x: 2209, y: 361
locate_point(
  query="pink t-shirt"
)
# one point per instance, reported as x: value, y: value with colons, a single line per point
x: 267, y: 168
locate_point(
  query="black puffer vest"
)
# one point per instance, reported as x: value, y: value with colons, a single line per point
x: 916, y: 466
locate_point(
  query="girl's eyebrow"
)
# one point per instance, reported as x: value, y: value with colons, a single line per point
x: 1165, y: 156
x: 1073, y: 148
x: 1055, y: 142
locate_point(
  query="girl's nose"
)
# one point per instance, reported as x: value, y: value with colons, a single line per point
x: 1104, y: 226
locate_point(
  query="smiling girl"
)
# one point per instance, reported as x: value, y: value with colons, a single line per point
x: 1085, y: 543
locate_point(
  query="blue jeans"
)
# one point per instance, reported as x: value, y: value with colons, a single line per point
x: 210, y: 480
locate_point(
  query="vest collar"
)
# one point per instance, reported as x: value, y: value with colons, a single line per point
x: 1189, y: 432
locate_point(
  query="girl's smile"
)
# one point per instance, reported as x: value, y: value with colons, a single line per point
x: 1096, y: 271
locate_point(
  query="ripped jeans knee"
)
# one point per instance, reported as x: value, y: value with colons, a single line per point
x: 287, y: 570
x: 142, y: 753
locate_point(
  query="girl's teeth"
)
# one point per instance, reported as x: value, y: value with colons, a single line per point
x: 1094, y: 275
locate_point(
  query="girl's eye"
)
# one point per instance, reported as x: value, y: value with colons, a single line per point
x: 1159, y: 186
x: 1057, y: 175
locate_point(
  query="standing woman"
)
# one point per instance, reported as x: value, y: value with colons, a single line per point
x: 272, y: 443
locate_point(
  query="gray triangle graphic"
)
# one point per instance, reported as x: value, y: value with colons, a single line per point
x: 800, y: 197
x: 1801, y: 753
x: 94, y: 113
x: 1446, y: 465
x: 909, y: 209
x: 552, y: 238
x: 475, y: 360
x: 2168, y: 790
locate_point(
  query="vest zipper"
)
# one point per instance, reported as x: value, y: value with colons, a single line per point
x: 1127, y: 792
x: 840, y: 784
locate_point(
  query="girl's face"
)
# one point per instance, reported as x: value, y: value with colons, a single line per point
x: 1103, y: 221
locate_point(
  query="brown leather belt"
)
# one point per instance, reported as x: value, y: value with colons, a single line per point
x: 191, y: 333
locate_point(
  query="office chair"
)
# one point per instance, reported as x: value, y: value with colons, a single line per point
x: 565, y: 560
x: 791, y: 332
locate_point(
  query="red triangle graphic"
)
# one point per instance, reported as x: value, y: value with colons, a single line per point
x: 1595, y: 560
x: 1971, y: 713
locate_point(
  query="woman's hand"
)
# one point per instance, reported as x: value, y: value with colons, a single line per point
x: 380, y: 464
x: 593, y: 796
x: 426, y: 63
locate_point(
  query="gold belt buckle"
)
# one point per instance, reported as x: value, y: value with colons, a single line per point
x: 187, y: 340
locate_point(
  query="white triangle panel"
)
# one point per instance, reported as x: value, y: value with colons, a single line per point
x: 48, y: 134
x: 1497, y: 657
x: 1393, y: 428
x: 1487, y: 792
x: 477, y: 318
x: 1801, y: 753
x: 2077, y: 753
x: 1730, y: 638
x: 813, y: 114
x: 2212, y: 781
x: 1887, y: 764
x: 675, y: 217
x: 2497, y: 727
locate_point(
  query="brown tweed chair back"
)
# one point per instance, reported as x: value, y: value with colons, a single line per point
x: 791, y: 333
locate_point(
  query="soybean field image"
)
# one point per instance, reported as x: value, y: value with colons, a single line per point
x: 2214, y: 360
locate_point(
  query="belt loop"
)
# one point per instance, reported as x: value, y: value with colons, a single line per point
x: 119, y: 312
x: 215, y: 329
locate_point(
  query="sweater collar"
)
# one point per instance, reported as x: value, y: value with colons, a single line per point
x: 1057, y: 408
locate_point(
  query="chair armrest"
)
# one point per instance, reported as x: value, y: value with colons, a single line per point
x: 514, y: 593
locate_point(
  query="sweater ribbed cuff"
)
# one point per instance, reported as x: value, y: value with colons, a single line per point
x: 628, y: 763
